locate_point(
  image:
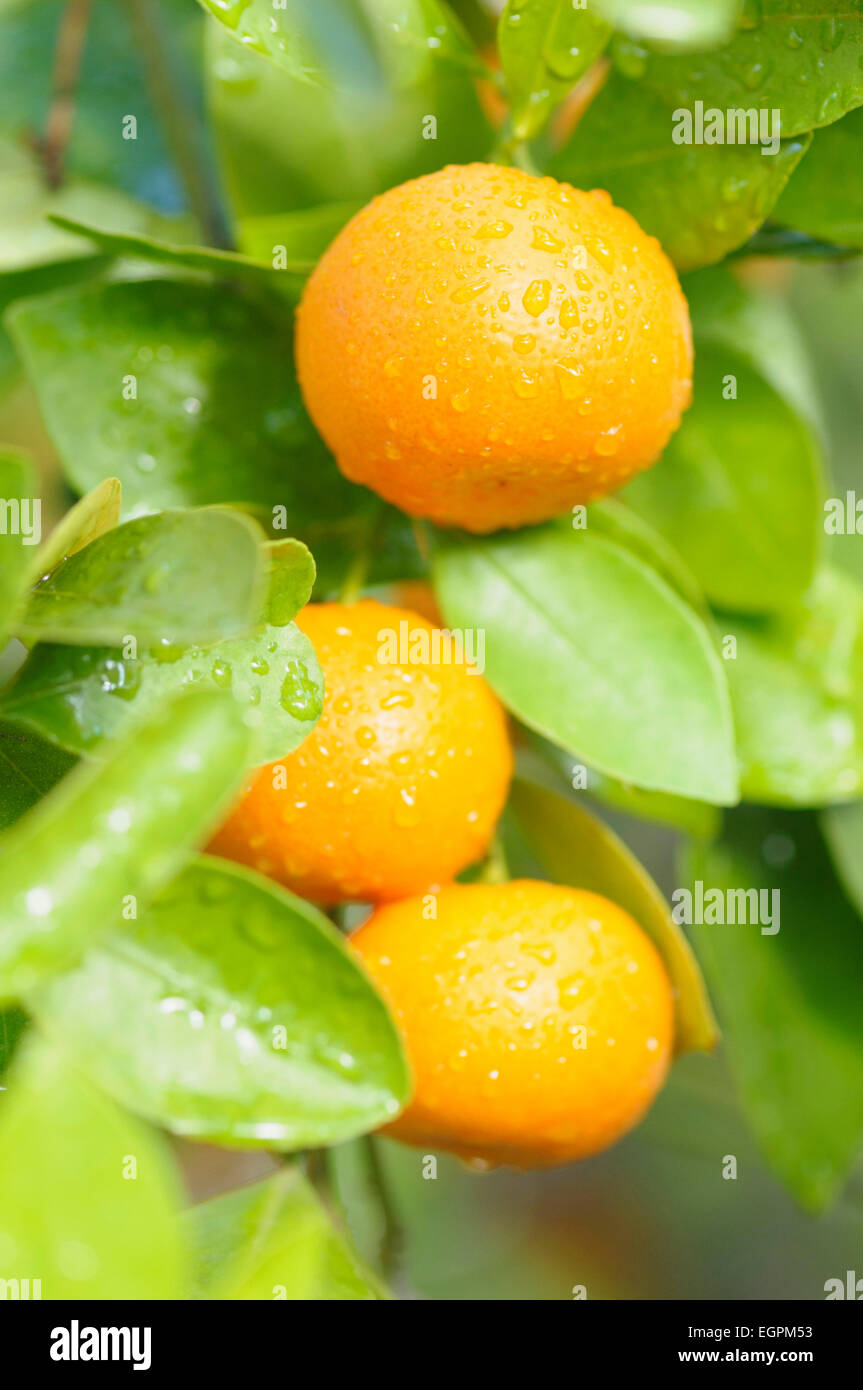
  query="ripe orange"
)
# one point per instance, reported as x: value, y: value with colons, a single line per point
x: 487, y: 348
x: 538, y: 1020
x: 400, y: 784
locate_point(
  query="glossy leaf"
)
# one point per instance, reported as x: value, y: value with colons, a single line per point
x: 89, y: 519
x: 788, y: 1002
x: 109, y: 835
x: 618, y: 522
x: 77, y: 696
x: 89, y: 1199
x: 217, y: 415
x: 589, y: 647
x: 274, y: 1240
x: 576, y: 848
x: 224, y: 264
x: 543, y: 762
x: 797, y: 691
x: 802, y: 59
x: 545, y: 47
x: 738, y: 489
x: 233, y: 1012
x: 701, y: 201
x: 29, y: 768
x: 825, y: 196
x: 414, y: 34
x: 18, y: 531
x: 842, y: 828
x: 158, y: 579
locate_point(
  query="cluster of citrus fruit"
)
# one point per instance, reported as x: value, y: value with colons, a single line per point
x: 484, y: 348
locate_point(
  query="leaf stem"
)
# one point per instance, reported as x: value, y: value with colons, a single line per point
x: 178, y: 119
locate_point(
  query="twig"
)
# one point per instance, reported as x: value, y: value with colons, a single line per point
x: 54, y: 141
x: 178, y: 120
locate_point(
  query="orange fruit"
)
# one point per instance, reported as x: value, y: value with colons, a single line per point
x: 401, y: 782
x: 487, y: 348
x: 537, y: 1019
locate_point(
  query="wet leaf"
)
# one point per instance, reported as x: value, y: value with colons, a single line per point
x: 109, y: 835
x: 825, y: 196
x: 545, y: 47
x: 90, y: 518
x: 233, y: 1012
x: 157, y: 579
x: 701, y: 201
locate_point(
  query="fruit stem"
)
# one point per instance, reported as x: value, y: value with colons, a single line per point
x: 495, y: 869
x: 358, y: 569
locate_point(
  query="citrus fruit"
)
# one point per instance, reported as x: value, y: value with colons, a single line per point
x: 401, y: 782
x: 487, y: 348
x: 537, y: 1019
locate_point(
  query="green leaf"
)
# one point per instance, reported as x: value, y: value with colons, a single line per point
x: 77, y: 696
x: 738, y: 489
x: 29, y: 768
x: 89, y: 1199
x: 576, y: 848
x: 303, y: 235
x: 20, y: 529
x: 28, y: 238
x: 616, y: 521
x: 589, y: 647
x: 365, y: 125
x: 109, y: 835
x: 274, y: 1240
x: 825, y: 196
x: 681, y: 23
x: 545, y: 47
x: 225, y: 264
x: 797, y: 691
x: 413, y: 33
x: 89, y: 519
x: 216, y: 417
x: 541, y: 761
x: 801, y: 59
x: 158, y: 579
x: 233, y: 1012
x: 701, y: 201
x: 13, y: 1025
x: 789, y: 1002
x: 842, y: 828
x: 758, y: 326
